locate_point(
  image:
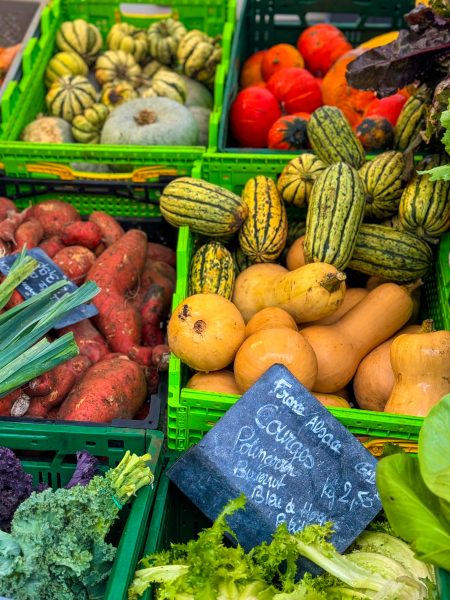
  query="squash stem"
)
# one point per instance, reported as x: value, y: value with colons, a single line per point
x: 332, y: 281
x: 410, y: 287
x: 427, y: 326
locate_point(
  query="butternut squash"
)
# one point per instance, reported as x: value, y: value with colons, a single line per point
x: 332, y: 400
x: 351, y: 298
x: 222, y: 382
x: 268, y: 318
x: 340, y: 347
x: 268, y: 347
x: 421, y: 365
x: 374, y: 378
x: 296, y: 255
x: 307, y: 294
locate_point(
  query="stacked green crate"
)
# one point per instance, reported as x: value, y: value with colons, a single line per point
x: 22, y: 102
x: 191, y: 413
x: 47, y: 452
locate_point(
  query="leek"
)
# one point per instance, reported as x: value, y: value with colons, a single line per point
x: 20, y: 270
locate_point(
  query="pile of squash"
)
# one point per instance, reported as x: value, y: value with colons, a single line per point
x: 146, y: 87
x: 336, y: 298
x: 282, y: 86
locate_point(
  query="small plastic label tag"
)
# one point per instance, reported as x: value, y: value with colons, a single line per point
x: 43, y: 277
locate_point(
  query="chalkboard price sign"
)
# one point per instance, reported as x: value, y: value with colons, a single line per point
x: 45, y: 274
x: 294, y: 461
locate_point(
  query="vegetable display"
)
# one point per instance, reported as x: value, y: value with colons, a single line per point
x: 88, y: 79
x: 121, y: 351
x: 379, y: 566
x: 67, y: 556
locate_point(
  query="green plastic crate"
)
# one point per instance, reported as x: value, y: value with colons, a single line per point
x: 48, y: 454
x: 23, y: 101
x: 264, y: 23
x: 443, y: 581
x: 191, y: 413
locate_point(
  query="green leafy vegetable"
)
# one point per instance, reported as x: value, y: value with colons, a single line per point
x: 57, y: 549
x: 406, y: 483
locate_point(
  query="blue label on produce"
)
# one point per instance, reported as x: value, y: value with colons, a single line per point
x: 43, y: 277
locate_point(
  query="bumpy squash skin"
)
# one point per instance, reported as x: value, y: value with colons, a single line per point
x: 87, y: 127
x: 333, y: 139
x: 268, y: 347
x: 48, y: 130
x: 163, y: 38
x: 335, y: 213
x: 421, y: 365
x: 130, y: 39
x: 339, y: 348
x: 382, y: 178
x: 263, y: 234
x: 212, y: 271
x: 394, y: 255
x: 297, y: 179
x: 206, y: 208
x: 307, y: 294
x: 424, y: 208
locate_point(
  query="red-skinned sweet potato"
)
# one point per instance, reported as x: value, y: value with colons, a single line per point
x: 162, y: 253
x: 89, y: 340
x: 63, y: 378
x: 115, y: 272
x: 160, y: 357
x: 82, y: 233
x: 75, y: 262
x: 7, y: 401
x: 99, y: 249
x: 151, y: 314
x: 51, y: 246
x: 40, y: 386
x: 114, y: 388
x: 15, y: 300
x: 8, y: 226
x: 110, y: 228
x: 28, y: 234
x: 6, y: 206
x: 54, y: 215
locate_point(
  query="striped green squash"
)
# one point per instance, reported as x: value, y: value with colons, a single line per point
x: 262, y: 237
x: 333, y: 139
x: 335, y: 213
x: 212, y: 271
x: 395, y: 255
x: 81, y: 37
x: 241, y: 260
x: 70, y: 96
x: 206, y: 208
x: 382, y: 178
x: 297, y: 179
x: 167, y: 84
x: 425, y: 205
x: 64, y: 63
x: 409, y: 123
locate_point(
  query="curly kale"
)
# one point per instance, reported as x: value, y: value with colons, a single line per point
x: 57, y: 548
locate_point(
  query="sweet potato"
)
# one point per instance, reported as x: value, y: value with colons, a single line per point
x: 164, y: 275
x: 160, y: 357
x: 89, y: 340
x: 7, y: 401
x: 51, y: 246
x: 82, y: 233
x: 162, y: 253
x: 9, y: 226
x: 136, y: 297
x: 63, y: 378
x: 6, y: 206
x: 75, y: 262
x: 116, y: 271
x: 15, y: 300
x: 4, y: 248
x: 152, y: 378
x: 151, y: 314
x: 114, y: 388
x: 54, y: 215
x: 40, y: 386
x: 110, y: 228
x: 28, y: 234
x: 99, y: 249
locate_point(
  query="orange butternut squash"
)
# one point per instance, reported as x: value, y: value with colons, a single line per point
x: 222, y: 382
x: 351, y: 298
x: 268, y: 347
x: 340, y: 347
x: 270, y: 318
x: 205, y: 332
x: 332, y: 400
x: 421, y: 365
x: 296, y: 254
x: 307, y: 294
x: 374, y: 378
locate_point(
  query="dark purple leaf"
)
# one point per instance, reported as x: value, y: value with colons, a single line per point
x: 15, y: 486
x: 85, y: 470
x: 423, y: 17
